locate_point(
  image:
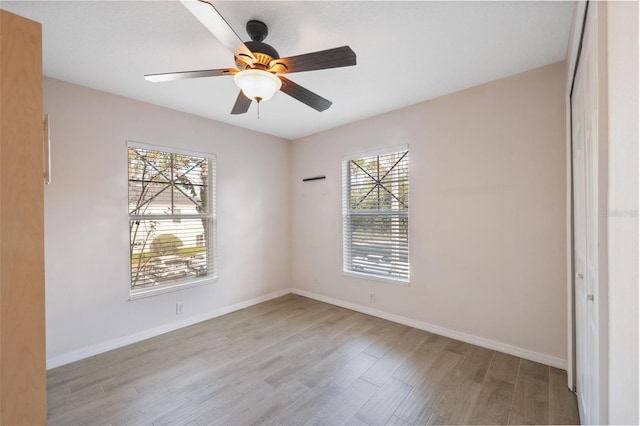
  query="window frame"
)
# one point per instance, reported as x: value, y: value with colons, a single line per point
x: 211, y: 216
x: 346, y: 199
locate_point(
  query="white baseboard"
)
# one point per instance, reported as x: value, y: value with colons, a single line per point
x: 99, y: 348
x: 432, y: 328
x: 119, y: 342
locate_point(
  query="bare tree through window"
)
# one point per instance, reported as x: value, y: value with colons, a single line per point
x: 170, y: 213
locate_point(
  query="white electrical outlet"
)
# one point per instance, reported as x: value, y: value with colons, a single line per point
x: 372, y: 297
x: 179, y: 308
x: 316, y: 282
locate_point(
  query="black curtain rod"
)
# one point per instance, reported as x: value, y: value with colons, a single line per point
x: 313, y: 178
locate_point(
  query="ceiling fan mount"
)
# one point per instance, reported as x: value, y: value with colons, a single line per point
x: 257, y: 30
x: 259, y: 66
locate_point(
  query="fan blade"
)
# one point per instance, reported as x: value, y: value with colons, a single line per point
x: 305, y: 96
x: 182, y: 75
x: 242, y: 104
x: 331, y: 58
x: 209, y: 16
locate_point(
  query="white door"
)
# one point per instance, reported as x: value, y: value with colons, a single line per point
x: 584, y: 114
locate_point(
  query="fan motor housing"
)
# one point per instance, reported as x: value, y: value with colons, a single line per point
x: 264, y: 48
x: 263, y: 53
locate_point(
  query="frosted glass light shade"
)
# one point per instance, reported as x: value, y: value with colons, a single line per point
x: 257, y: 84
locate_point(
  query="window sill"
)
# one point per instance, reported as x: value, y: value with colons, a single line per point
x: 395, y: 281
x: 141, y: 294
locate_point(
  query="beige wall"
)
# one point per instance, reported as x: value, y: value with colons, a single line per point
x: 86, y: 219
x: 487, y: 213
x: 487, y: 216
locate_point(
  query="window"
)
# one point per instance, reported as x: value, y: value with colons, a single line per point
x: 171, y: 218
x: 376, y: 215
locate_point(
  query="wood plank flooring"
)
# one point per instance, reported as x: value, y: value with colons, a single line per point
x: 296, y: 361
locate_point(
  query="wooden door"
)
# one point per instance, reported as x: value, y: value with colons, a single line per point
x: 23, y: 389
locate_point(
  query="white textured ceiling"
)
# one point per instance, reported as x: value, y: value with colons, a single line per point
x: 407, y: 52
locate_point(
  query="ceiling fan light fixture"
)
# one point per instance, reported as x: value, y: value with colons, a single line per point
x: 257, y: 85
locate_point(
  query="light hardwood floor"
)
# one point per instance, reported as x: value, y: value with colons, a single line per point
x: 295, y: 361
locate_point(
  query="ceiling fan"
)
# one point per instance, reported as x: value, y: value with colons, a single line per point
x: 259, y: 67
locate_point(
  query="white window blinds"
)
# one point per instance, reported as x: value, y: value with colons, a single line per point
x: 171, y: 211
x: 376, y: 215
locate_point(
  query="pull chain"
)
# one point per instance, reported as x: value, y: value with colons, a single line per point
x: 258, y: 99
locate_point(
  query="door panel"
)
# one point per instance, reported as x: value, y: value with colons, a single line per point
x: 580, y: 245
x: 584, y: 115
